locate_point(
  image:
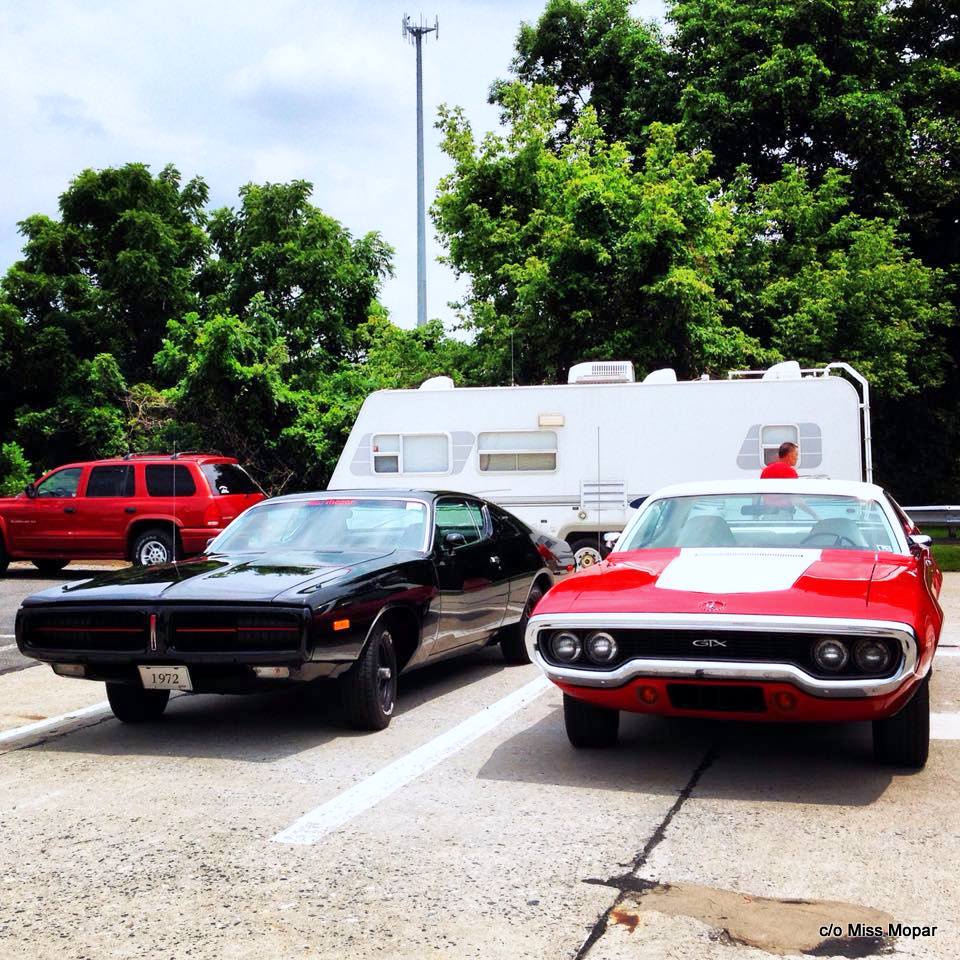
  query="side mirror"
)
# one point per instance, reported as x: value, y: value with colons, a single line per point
x: 919, y: 542
x: 611, y: 538
x: 637, y: 502
x: 31, y: 491
x: 206, y: 547
x: 453, y: 540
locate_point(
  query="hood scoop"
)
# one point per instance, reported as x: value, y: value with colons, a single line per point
x: 715, y: 571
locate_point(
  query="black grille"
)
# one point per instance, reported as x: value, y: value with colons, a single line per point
x: 741, y: 646
x: 107, y: 631
x: 702, y: 696
x: 231, y: 631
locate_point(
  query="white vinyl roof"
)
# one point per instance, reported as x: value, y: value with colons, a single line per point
x: 803, y: 485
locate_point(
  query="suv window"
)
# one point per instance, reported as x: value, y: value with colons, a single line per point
x: 63, y: 483
x: 169, y: 481
x: 226, y: 478
x: 110, y: 482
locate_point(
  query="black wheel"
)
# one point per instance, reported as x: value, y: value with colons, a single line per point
x: 370, y: 685
x: 134, y: 704
x: 4, y: 558
x: 904, y: 738
x: 589, y: 726
x: 513, y: 641
x: 49, y: 567
x: 152, y: 547
x: 587, y: 551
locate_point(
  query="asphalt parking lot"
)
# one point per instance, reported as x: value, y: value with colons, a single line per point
x: 261, y: 827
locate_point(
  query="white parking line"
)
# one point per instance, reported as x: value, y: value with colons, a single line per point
x: 945, y: 726
x: 947, y: 652
x: 326, y: 818
x: 13, y: 738
x: 9, y: 646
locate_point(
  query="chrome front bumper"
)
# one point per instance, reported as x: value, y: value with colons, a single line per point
x: 722, y: 669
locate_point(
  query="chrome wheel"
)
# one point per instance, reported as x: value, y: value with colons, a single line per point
x: 153, y: 552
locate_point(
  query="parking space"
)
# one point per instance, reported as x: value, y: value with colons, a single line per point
x: 469, y: 828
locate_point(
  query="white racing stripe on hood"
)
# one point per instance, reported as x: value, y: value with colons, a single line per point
x: 716, y: 570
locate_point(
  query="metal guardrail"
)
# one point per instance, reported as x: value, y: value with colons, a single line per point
x: 936, y: 516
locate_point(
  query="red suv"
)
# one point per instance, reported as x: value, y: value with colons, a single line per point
x: 148, y: 508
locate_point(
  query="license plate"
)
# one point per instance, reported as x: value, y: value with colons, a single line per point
x: 165, y: 678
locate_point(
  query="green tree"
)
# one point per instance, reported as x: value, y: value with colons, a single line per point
x: 574, y: 254
x: 314, y: 278
x: 15, y: 470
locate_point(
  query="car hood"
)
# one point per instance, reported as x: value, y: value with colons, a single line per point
x: 819, y: 583
x: 215, y: 579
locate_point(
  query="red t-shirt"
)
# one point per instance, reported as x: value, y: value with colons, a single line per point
x: 779, y: 470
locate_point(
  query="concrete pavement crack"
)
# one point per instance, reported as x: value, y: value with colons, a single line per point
x: 629, y: 880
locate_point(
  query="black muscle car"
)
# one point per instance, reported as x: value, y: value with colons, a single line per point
x: 358, y: 585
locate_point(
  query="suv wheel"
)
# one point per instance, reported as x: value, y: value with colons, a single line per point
x: 513, y: 643
x: 152, y: 547
x: 904, y: 738
x: 49, y: 567
x: 370, y: 685
x: 589, y: 725
x: 134, y: 704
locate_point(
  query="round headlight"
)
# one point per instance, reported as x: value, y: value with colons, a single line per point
x: 601, y: 647
x: 565, y: 646
x: 872, y: 656
x: 830, y: 655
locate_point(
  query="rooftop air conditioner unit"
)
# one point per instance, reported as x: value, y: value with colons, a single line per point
x: 602, y: 371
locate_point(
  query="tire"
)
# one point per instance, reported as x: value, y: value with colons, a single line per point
x: 513, y: 643
x: 133, y: 704
x: 49, y: 567
x: 4, y: 558
x: 589, y: 726
x: 151, y: 547
x: 904, y: 738
x: 369, y: 688
x: 586, y: 552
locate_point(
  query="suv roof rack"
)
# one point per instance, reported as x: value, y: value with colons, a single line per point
x: 174, y: 456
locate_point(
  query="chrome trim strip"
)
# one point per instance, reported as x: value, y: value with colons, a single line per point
x: 720, y: 669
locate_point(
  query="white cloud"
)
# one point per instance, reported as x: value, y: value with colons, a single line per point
x: 236, y: 91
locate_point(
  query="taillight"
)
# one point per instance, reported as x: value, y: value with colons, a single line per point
x: 211, y: 515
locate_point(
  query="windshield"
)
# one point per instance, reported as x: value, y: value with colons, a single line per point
x: 327, y: 525
x: 762, y: 520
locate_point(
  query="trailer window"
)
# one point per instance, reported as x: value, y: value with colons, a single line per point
x: 517, y: 451
x: 772, y: 436
x: 411, y: 453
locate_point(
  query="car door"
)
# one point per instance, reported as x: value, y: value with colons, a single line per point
x: 519, y: 559
x: 45, y: 524
x: 105, y: 510
x: 473, y: 589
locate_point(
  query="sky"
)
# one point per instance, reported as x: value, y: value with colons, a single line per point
x: 243, y: 91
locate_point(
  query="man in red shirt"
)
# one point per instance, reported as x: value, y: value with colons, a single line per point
x: 785, y: 467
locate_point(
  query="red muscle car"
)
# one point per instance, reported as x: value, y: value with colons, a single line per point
x: 773, y: 600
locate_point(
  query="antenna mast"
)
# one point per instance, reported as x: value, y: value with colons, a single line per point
x: 415, y: 32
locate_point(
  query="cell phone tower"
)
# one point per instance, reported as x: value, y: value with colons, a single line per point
x: 415, y: 32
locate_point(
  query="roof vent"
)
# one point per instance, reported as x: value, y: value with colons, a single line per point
x: 666, y: 375
x: 788, y: 370
x: 602, y: 371
x: 437, y: 383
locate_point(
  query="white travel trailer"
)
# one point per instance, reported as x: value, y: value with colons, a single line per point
x: 570, y: 459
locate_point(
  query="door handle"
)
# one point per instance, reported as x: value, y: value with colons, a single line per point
x: 69, y: 509
x: 129, y: 509
x: 494, y: 559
